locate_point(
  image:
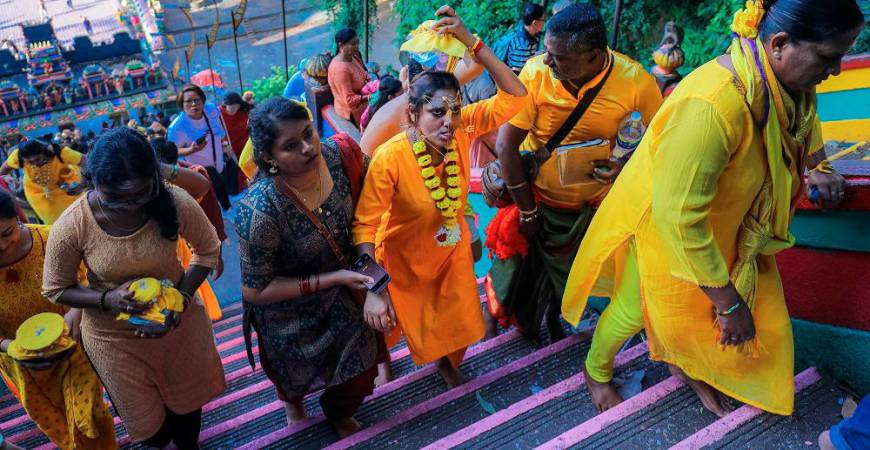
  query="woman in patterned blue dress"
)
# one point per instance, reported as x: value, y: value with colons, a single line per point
x: 298, y: 296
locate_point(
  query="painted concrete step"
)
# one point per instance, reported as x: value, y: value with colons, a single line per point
x: 266, y: 426
x: 549, y: 412
x: 469, y: 404
x: 816, y: 409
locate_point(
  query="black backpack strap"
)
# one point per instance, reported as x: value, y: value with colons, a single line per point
x: 579, y: 110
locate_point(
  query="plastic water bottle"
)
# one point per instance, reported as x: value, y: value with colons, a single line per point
x: 629, y: 135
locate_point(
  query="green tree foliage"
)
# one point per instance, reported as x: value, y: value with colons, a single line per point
x: 706, y: 23
x: 351, y: 14
x: 272, y: 85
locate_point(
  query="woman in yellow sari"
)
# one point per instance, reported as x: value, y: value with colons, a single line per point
x: 65, y: 400
x: 706, y: 202
x: 420, y: 178
x: 51, y: 175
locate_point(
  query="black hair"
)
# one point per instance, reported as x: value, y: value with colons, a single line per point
x: 414, y: 69
x: 264, y: 125
x: 810, y: 20
x: 580, y: 26
x: 8, y: 209
x: 233, y: 98
x: 35, y: 147
x: 122, y: 154
x: 166, y: 150
x: 389, y: 86
x: 426, y: 83
x: 189, y: 88
x: 343, y: 36
x: 531, y: 12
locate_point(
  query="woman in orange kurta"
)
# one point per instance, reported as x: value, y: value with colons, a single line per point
x: 433, y: 297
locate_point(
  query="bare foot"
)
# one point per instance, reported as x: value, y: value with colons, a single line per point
x: 713, y: 400
x: 346, y: 427
x: 451, y: 375
x: 604, y: 395
x: 490, y: 324
x: 825, y: 442
x: 385, y: 374
x: 295, y: 412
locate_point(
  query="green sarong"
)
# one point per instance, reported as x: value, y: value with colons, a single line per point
x: 522, y: 288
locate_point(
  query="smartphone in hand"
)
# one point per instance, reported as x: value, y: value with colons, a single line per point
x: 367, y: 266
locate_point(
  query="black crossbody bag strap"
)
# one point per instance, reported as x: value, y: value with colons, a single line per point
x: 579, y: 110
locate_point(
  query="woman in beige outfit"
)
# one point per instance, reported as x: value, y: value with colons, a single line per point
x: 126, y: 228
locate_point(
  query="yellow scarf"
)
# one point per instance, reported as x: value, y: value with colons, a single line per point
x: 786, y: 124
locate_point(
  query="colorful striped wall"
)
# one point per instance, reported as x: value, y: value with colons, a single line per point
x: 827, y: 275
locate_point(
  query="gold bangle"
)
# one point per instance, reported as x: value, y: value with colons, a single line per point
x: 516, y: 186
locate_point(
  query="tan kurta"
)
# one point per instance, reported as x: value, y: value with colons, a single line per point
x: 181, y: 370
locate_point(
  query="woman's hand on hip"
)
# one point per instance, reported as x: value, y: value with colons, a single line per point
x: 378, y: 312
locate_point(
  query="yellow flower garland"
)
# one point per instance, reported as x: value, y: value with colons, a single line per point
x: 446, y: 199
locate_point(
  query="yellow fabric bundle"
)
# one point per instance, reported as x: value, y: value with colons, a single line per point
x: 165, y: 297
x: 41, y: 336
x: 426, y: 40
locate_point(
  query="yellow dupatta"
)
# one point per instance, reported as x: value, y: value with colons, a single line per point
x: 786, y: 124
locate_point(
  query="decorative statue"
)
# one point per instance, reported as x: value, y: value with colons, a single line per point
x: 668, y: 58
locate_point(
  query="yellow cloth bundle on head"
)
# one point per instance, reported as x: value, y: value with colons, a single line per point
x: 434, y: 50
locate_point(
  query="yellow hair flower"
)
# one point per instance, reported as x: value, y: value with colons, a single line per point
x: 450, y: 213
x: 452, y: 170
x: 453, y: 181
x: 438, y: 194
x: 457, y: 204
x: 424, y: 160
x: 432, y: 183
x: 747, y: 20
x: 454, y: 192
x: 443, y: 204
x: 428, y: 172
x: 419, y: 147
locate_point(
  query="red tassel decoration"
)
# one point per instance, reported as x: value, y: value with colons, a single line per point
x: 503, y: 237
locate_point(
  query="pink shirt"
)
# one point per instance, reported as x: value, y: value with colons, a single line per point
x: 346, y: 79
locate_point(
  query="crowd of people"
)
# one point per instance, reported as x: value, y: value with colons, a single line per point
x: 679, y: 233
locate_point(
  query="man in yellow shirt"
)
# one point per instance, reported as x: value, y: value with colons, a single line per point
x: 552, y: 217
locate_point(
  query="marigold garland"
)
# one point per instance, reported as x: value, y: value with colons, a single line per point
x: 747, y: 20
x: 446, y: 199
